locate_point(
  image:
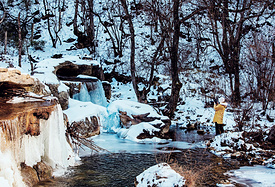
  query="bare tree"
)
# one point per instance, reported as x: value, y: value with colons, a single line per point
x: 132, y: 61
x: 229, y: 21
x: 259, y: 63
x: 113, y: 20
x: 176, y: 84
x: 19, y: 41
x: 174, y: 30
x: 86, y: 32
x: 53, y: 15
x: 2, y: 19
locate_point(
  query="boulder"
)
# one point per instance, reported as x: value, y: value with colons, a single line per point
x: 160, y: 175
x: 29, y: 175
x: 39, y: 88
x: 86, y: 127
x: 43, y: 170
x: 200, y: 131
x: 69, y: 69
x: 126, y: 121
x: 15, y: 77
x: 271, y: 135
x: 63, y: 96
x: 163, y: 125
x: 107, y: 89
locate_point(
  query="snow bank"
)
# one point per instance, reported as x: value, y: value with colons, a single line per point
x: 161, y: 175
x: 132, y: 108
x: 255, y: 176
x: 44, y: 69
x: 135, y: 130
x: 78, y: 110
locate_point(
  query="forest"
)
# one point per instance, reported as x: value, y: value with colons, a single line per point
x: 233, y: 38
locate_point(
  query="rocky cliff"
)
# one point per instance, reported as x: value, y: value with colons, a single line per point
x: 32, y: 132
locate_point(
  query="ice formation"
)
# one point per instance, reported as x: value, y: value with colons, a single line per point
x: 50, y: 146
x: 95, y: 94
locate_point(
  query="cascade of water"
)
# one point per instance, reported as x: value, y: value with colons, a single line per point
x: 93, y: 92
x: 97, y: 94
x: 83, y: 94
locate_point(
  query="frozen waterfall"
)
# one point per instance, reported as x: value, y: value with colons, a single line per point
x: 93, y: 92
x: 50, y: 146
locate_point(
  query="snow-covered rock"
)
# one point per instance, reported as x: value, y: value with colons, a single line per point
x: 160, y: 175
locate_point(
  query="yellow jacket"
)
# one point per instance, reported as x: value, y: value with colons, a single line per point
x: 219, y: 111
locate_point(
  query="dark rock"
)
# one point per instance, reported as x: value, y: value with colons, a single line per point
x: 43, y: 170
x: 37, y: 36
x: 29, y: 175
x: 126, y: 121
x: 269, y: 118
x: 87, y: 127
x: 70, y: 40
x: 107, y: 89
x: 271, y: 135
x: 69, y: 69
x: 63, y: 96
x: 57, y: 56
x: 201, y: 132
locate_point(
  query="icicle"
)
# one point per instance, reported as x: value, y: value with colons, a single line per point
x: 97, y: 94
x: 50, y: 146
x: 83, y: 95
x: 9, y: 147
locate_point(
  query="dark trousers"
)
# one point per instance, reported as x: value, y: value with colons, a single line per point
x: 219, y: 128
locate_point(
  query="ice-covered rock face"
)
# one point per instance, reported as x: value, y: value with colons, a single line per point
x: 13, y: 82
x: 32, y: 131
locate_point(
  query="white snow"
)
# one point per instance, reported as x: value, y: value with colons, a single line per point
x: 135, y: 130
x: 161, y: 175
x: 256, y: 176
x: 78, y: 110
x: 9, y: 173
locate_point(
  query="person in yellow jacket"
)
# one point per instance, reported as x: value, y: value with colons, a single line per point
x: 218, y: 117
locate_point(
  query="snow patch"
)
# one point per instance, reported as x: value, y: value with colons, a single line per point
x: 161, y: 175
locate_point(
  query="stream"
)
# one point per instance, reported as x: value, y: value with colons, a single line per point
x: 128, y: 159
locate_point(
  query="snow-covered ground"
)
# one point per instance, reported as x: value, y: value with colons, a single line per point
x: 123, y: 98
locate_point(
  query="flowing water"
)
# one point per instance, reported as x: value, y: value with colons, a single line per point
x: 129, y: 159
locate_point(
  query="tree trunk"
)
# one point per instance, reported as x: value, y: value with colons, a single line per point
x: 237, y: 94
x: 49, y: 24
x: 91, y: 32
x: 145, y: 91
x: 176, y: 84
x: 19, y: 41
x: 75, y: 17
x: 132, y: 60
x: 6, y: 42
x: 32, y: 29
